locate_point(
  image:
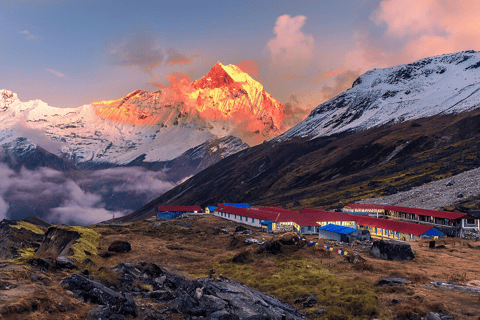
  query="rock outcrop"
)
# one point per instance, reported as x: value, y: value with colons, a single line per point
x: 58, y: 241
x: 12, y: 240
x: 392, y: 250
x: 207, y: 298
x: 90, y: 291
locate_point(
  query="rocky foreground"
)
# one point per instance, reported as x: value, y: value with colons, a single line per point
x: 205, y: 298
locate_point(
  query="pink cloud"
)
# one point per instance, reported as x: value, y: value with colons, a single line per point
x: 422, y: 28
x: 290, y: 46
x: 330, y: 74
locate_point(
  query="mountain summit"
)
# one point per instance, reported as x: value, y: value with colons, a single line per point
x: 152, y: 125
x: 225, y: 101
x: 443, y: 84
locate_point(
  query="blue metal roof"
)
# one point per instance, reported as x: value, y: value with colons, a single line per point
x: 337, y: 229
x: 433, y: 233
x: 238, y: 205
x: 358, y: 213
x: 211, y: 208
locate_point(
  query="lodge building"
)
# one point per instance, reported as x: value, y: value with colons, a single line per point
x: 416, y: 215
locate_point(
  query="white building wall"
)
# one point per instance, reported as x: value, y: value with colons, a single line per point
x: 240, y: 219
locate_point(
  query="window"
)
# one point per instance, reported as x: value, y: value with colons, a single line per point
x: 229, y: 215
x: 240, y: 218
x: 470, y: 221
x: 309, y: 228
x: 253, y: 220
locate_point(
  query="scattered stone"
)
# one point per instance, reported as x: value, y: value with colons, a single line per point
x: 450, y: 183
x: 174, y: 248
x: 395, y: 301
x: 89, y: 262
x: 441, y: 247
x: 159, y: 295
x: 272, y: 246
x: 243, y: 257
x: 235, y: 242
x: 120, y: 246
x: 393, y: 281
x: 105, y: 254
x: 156, y: 224
x: 392, y: 250
x: 310, y: 302
x: 63, y: 262
x: 240, y: 229
x: 320, y: 311
x: 4, y: 285
x: 459, y: 195
x: 389, y: 190
x: 90, y: 291
x: 150, y: 269
x: 39, y: 263
x: 432, y: 316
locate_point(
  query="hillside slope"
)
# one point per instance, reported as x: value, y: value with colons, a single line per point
x: 344, y: 167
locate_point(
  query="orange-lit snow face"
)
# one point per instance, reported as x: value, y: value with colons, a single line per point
x: 226, y: 95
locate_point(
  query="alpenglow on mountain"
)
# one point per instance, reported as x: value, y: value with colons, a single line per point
x: 154, y: 126
x: 448, y: 83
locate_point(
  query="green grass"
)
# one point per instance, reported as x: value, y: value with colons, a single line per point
x: 28, y: 226
x: 293, y: 280
x: 87, y: 243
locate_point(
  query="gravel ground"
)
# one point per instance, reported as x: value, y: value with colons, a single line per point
x: 437, y: 194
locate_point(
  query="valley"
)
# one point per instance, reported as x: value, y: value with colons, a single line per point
x: 211, y: 247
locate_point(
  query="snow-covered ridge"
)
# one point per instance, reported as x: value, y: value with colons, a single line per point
x: 448, y: 83
x: 158, y: 125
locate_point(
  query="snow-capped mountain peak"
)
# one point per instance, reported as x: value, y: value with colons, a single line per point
x: 448, y: 83
x: 155, y: 125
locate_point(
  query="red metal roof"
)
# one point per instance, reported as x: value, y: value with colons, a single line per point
x: 179, y: 208
x: 326, y: 216
x: 257, y: 214
x: 421, y: 212
x: 392, y: 225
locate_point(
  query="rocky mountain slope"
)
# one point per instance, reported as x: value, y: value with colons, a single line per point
x: 343, y: 167
x: 444, y: 84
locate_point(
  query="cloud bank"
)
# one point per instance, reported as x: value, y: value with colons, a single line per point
x: 56, y: 198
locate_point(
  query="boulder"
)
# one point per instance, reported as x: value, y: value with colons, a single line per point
x: 272, y: 246
x: 159, y: 295
x: 392, y: 250
x: 40, y: 264
x: 393, y: 281
x: 244, y: 302
x: 120, y: 246
x: 93, y: 292
x: 58, y: 241
x: 243, y: 257
x: 310, y: 302
x: 432, y: 316
x: 240, y: 229
x: 63, y: 262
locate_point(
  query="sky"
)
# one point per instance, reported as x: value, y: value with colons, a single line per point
x: 74, y: 52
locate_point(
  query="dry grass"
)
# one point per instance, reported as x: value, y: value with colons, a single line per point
x: 45, y: 303
x: 201, y: 249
